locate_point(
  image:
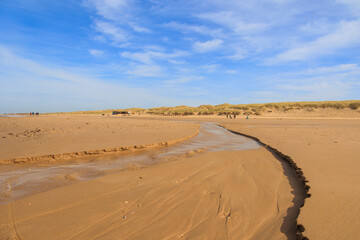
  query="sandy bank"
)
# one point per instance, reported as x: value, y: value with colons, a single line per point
x: 328, y: 153
x: 218, y: 195
x: 49, y: 138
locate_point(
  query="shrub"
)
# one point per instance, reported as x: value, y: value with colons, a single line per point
x: 354, y: 105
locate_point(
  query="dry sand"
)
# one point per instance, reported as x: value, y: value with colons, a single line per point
x: 328, y: 151
x: 49, y: 137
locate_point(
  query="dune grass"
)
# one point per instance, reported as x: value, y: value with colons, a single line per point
x: 226, y: 108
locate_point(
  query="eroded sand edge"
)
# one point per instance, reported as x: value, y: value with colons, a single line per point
x: 299, y: 173
x: 74, y: 155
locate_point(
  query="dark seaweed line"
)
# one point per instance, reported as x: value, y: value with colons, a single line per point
x: 298, y: 172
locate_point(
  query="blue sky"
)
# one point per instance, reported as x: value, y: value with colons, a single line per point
x: 99, y: 54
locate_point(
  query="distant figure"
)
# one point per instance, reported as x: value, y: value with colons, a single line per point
x: 227, y: 116
x: 230, y: 116
x: 234, y: 116
x: 30, y: 113
x: 247, y: 117
x: 37, y: 114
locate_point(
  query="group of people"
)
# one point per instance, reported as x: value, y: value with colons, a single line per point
x: 234, y: 116
x: 230, y: 116
x: 32, y: 114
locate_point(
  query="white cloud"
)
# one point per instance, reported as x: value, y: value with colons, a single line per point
x: 186, y: 28
x: 139, y: 29
x: 144, y: 57
x: 233, y: 22
x: 210, y: 67
x: 110, y: 9
x: 145, y: 70
x: 208, y: 46
x: 149, y: 56
x: 64, y: 89
x: 148, y: 59
x: 239, y: 53
x: 317, y: 27
x: 342, y: 68
x: 319, y: 90
x: 115, y: 20
x: 178, y: 62
x: 347, y: 34
x: 353, y: 5
x: 110, y: 30
x: 96, y: 53
x: 231, y: 71
x: 182, y: 80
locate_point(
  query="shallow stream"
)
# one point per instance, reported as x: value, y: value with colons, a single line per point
x: 29, y: 179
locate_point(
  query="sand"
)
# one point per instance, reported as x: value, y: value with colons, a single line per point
x: 215, y: 195
x: 328, y: 153
x: 219, y: 195
x: 48, y: 138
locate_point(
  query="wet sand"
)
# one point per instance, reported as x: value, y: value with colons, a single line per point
x: 219, y: 192
x: 328, y: 153
x: 19, y: 180
x: 217, y: 195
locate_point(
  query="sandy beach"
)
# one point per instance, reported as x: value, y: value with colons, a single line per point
x: 168, y: 120
x: 49, y: 138
x: 215, y: 196
x: 198, y: 194
x: 328, y: 153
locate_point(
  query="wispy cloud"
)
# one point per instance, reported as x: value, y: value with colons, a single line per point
x: 182, y: 80
x: 63, y: 88
x: 110, y: 9
x: 233, y: 22
x: 188, y: 28
x: 150, y: 56
x: 145, y: 70
x: 350, y: 68
x: 210, y: 68
x: 231, y: 71
x: 96, y: 53
x: 207, y: 46
x: 353, y: 6
x: 252, y: 50
x: 345, y: 35
x: 115, y: 19
x: 111, y: 31
x: 139, y: 29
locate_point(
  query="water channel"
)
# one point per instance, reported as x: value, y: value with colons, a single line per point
x: 22, y: 181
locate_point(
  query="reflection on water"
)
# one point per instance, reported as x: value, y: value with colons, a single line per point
x: 12, y: 115
x: 21, y: 182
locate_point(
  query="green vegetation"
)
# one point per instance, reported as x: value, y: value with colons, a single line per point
x: 237, y: 109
